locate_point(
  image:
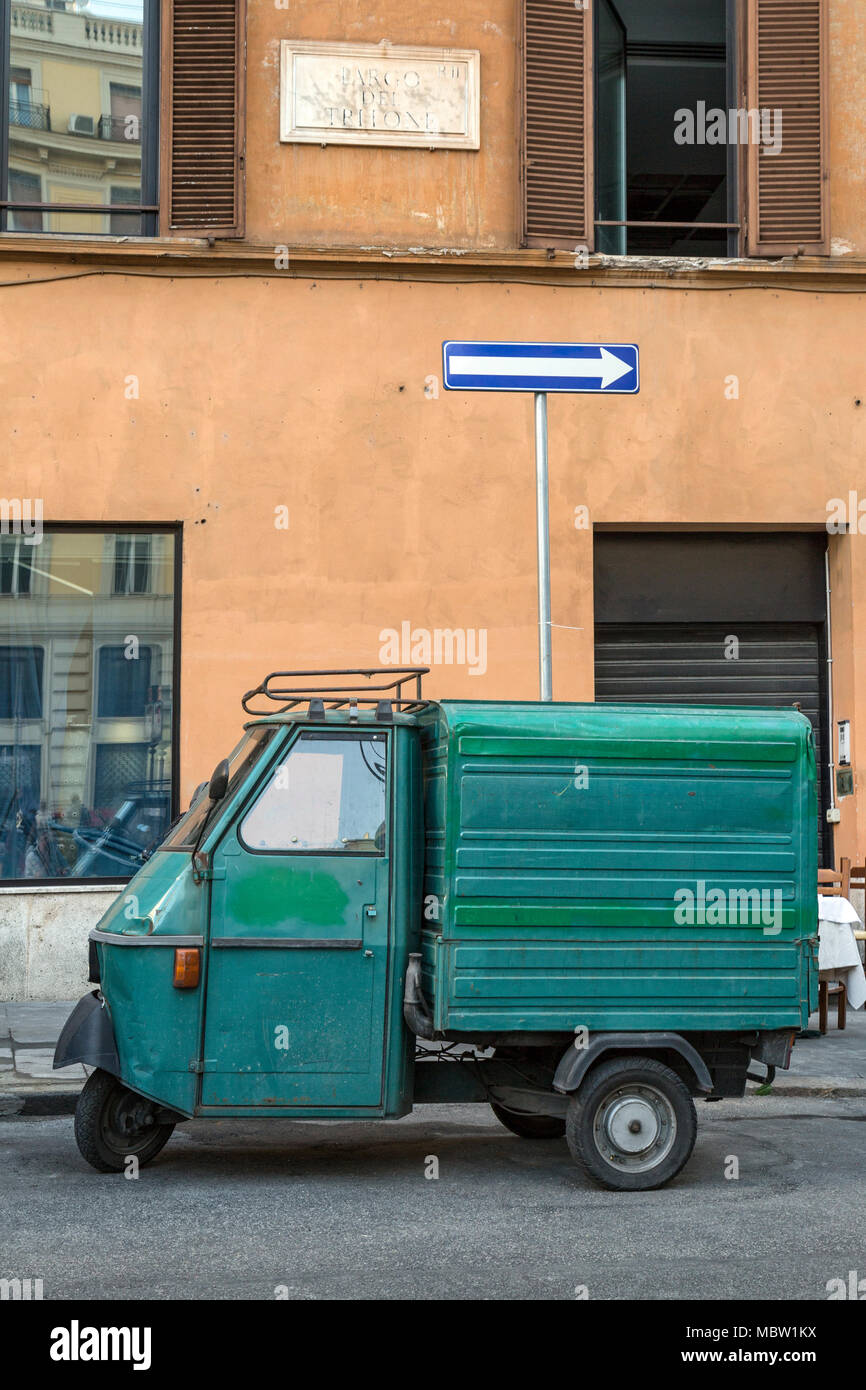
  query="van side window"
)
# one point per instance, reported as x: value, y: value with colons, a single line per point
x: 327, y: 795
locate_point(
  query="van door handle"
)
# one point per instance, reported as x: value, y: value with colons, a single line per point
x: 370, y: 911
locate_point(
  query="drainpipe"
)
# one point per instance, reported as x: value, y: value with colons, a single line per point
x: 832, y: 732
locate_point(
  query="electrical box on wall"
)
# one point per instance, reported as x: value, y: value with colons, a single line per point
x: 845, y: 782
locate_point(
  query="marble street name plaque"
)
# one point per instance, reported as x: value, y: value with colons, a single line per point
x: 379, y: 94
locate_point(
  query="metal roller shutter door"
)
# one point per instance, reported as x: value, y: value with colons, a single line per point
x: 684, y: 663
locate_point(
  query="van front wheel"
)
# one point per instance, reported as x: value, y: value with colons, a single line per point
x: 632, y: 1124
x: 114, y: 1125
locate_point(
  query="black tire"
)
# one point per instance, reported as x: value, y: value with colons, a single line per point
x: 621, y: 1103
x: 529, y: 1126
x: 114, y: 1124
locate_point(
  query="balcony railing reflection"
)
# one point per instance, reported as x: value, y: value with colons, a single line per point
x: 125, y: 130
x: 32, y: 115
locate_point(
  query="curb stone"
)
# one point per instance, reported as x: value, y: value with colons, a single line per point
x: 829, y: 1087
x: 23, y: 1102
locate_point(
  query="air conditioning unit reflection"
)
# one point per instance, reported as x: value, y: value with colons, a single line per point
x: 82, y: 125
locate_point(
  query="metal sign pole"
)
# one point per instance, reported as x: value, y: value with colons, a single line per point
x: 545, y: 665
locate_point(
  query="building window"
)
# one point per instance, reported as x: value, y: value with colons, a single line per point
x: 81, y: 116
x: 124, y: 681
x: 88, y: 677
x: 681, y: 128
x: 21, y: 683
x: 16, y: 571
x: 24, y: 189
x: 662, y: 189
x: 124, y: 223
x: 27, y: 107
x: 124, y: 123
x: 132, y: 564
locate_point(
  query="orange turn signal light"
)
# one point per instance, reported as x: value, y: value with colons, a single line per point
x: 187, y: 967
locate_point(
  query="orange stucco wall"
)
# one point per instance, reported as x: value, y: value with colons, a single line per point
x: 406, y: 505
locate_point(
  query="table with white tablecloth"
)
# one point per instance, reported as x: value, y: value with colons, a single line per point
x: 838, y: 956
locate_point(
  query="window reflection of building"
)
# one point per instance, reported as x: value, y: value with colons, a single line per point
x: 76, y: 118
x: 86, y: 686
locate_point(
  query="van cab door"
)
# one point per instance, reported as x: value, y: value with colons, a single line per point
x: 297, y: 968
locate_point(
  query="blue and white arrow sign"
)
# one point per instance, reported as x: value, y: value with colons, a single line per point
x: 603, y: 368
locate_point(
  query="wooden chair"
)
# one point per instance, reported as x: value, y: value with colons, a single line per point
x: 836, y: 883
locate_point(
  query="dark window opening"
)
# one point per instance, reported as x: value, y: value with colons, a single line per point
x: 15, y: 568
x: 124, y: 682
x: 665, y: 162
x: 21, y: 682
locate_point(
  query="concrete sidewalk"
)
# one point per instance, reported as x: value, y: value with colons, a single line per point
x: 832, y: 1066
x: 28, y: 1036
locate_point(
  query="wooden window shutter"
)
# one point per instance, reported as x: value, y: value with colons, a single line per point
x: 204, y: 71
x: 557, y: 124
x: 787, y: 192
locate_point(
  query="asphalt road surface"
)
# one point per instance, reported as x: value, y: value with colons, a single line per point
x: 267, y: 1209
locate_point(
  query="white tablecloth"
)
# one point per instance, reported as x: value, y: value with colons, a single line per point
x: 838, y: 956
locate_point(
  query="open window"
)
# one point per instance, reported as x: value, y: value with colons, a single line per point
x: 667, y: 167
x: 675, y: 127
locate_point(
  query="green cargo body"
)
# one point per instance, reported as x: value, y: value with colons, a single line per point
x: 618, y: 867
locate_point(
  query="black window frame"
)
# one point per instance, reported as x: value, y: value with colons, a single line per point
x: 148, y: 205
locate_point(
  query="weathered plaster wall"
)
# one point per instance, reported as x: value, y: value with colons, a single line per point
x: 846, y: 126
x: 348, y: 195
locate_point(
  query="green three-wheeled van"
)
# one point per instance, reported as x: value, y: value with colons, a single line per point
x: 585, y: 915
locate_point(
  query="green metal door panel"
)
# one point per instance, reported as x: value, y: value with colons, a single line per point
x: 299, y: 947
x: 309, y: 1031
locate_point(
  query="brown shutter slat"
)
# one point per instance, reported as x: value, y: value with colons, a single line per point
x: 557, y: 124
x: 204, y: 68
x: 786, y: 71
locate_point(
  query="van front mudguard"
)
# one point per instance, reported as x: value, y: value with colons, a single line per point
x: 88, y: 1036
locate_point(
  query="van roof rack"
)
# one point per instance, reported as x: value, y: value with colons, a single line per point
x: 279, y: 687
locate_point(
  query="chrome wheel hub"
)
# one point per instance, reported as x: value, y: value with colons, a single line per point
x: 635, y: 1127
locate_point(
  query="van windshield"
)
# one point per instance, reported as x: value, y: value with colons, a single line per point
x: 248, y: 751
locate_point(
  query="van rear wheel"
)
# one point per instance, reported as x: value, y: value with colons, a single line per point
x: 632, y: 1124
x: 114, y: 1124
x: 529, y: 1126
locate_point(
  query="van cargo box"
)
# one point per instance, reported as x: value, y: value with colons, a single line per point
x: 618, y: 867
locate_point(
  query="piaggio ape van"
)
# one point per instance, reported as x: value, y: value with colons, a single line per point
x: 583, y: 914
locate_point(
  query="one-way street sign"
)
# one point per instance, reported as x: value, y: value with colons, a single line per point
x: 608, y: 368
